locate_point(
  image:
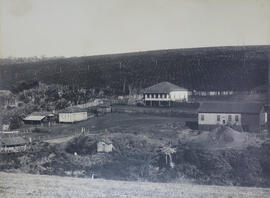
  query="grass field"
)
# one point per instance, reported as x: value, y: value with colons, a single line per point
x: 26, y: 185
x: 114, y: 122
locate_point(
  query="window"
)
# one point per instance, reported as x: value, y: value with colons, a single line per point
x: 236, y: 118
x: 218, y: 117
x: 230, y: 118
x: 202, y: 117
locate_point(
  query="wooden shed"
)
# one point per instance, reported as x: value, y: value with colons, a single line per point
x: 104, y: 145
x: 72, y: 114
x: 13, y: 141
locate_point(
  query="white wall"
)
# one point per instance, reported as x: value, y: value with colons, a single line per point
x: 211, y: 118
x: 72, y: 117
x: 179, y: 95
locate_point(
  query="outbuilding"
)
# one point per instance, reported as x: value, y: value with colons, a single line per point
x: 72, y: 114
x: 40, y: 117
x: 13, y: 141
x: 104, y: 109
x: 104, y: 145
x: 249, y: 116
x: 162, y: 94
x: 34, y: 119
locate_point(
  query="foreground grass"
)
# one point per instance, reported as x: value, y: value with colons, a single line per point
x: 26, y: 185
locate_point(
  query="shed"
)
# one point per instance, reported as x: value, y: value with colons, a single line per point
x: 13, y: 141
x: 5, y: 127
x: 34, y: 119
x: 104, y: 109
x: 104, y: 145
x: 72, y: 114
x: 250, y: 116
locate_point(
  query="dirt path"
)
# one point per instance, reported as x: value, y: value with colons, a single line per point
x: 59, y: 140
x: 26, y: 185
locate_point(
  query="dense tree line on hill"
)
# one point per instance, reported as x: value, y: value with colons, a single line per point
x: 203, y: 69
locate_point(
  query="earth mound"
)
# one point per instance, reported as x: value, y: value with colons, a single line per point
x: 224, y: 137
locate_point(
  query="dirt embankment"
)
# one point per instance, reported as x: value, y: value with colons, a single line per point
x: 139, y: 157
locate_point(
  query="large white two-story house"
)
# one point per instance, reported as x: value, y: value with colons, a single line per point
x: 163, y: 94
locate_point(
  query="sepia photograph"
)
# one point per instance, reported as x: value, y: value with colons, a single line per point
x: 133, y: 98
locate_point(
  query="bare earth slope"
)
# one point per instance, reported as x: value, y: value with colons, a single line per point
x: 26, y: 185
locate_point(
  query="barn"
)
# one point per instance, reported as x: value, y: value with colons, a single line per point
x: 72, y: 114
x: 163, y: 94
x: 40, y: 118
x: 13, y: 141
x: 34, y: 119
x: 249, y: 116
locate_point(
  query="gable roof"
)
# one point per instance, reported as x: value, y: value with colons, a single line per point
x: 105, y: 140
x: 163, y: 87
x: 230, y: 107
x: 72, y: 109
x: 42, y: 113
x: 34, y: 118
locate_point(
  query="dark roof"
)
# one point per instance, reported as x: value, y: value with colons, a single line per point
x: 34, y: 118
x: 13, y: 141
x: 105, y: 140
x: 73, y: 109
x: 163, y: 87
x: 104, y: 106
x: 42, y: 113
x: 230, y: 107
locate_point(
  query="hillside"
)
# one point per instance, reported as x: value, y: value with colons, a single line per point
x: 26, y: 185
x: 220, y: 68
x: 222, y: 157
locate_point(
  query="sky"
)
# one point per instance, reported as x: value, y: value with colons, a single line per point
x: 90, y: 27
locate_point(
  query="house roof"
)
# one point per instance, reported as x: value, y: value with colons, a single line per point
x: 104, y: 106
x: 73, y: 109
x: 12, y: 141
x: 163, y: 87
x: 42, y: 113
x: 34, y: 118
x: 230, y: 107
x: 105, y: 140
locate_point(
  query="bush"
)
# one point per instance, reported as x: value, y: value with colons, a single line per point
x: 40, y: 130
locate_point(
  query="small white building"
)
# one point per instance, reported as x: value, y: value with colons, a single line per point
x: 105, y: 145
x: 5, y: 127
x: 72, y: 114
x: 164, y: 93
